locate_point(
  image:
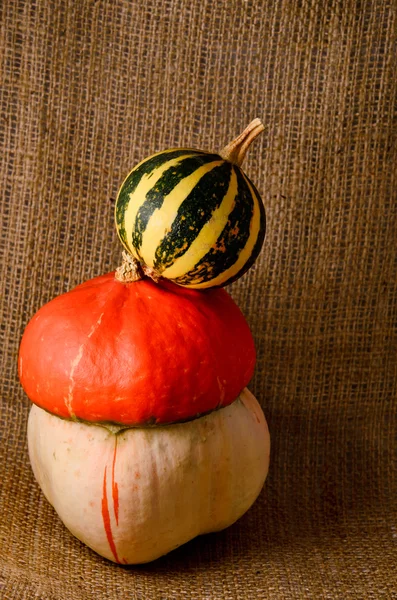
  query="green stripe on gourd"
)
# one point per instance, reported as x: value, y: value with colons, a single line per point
x: 155, y: 197
x: 195, y: 211
x: 230, y: 243
x: 191, y: 216
x: 146, y: 167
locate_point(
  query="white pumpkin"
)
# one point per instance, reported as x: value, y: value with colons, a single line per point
x: 135, y: 494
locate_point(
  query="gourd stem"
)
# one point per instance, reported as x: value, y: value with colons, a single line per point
x: 130, y: 270
x: 237, y: 149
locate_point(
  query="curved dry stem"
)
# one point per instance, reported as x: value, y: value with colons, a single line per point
x: 237, y: 149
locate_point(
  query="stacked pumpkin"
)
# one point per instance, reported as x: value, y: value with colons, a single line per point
x: 142, y: 434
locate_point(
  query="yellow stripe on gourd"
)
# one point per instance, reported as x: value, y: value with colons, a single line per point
x: 208, y: 235
x: 160, y: 223
x: 245, y: 253
x: 138, y: 196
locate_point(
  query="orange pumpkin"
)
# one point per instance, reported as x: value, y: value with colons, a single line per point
x: 136, y: 353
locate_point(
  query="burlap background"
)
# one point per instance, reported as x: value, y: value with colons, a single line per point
x: 88, y: 89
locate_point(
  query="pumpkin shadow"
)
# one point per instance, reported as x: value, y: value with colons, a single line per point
x: 245, y: 540
x: 199, y: 554
x: 310, y: 500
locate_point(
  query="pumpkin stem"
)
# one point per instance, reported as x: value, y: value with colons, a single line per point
x: 130, y: 270
x: 237, y: 149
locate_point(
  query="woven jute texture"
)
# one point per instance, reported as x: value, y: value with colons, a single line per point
x: 90, y: 88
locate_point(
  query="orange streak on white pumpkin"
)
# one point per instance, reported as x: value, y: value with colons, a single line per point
x: 106, y: 520
x: 115, y: 487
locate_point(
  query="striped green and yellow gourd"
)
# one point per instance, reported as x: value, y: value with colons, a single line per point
x: 191, y: 216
